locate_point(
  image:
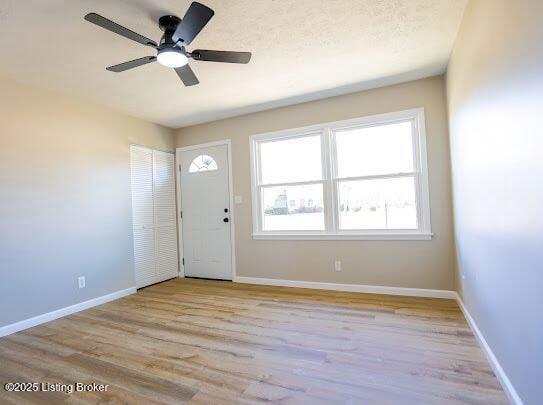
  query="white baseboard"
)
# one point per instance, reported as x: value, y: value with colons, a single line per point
x: 505, y: 382
x: 371, y: 289
x: 59, y: 313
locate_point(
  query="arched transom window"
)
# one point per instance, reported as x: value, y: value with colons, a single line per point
x: 203, y: 163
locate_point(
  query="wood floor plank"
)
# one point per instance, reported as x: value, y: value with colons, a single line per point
x: 212, y: 342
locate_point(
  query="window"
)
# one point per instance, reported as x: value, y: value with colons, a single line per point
x: 291, y: 173
x: 358, y: 179
x: 203, y: 163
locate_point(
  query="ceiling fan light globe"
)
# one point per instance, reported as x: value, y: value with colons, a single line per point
x: 172, y: 58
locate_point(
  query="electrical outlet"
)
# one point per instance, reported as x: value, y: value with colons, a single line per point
x: 337, y: 265
x: 81, y: 281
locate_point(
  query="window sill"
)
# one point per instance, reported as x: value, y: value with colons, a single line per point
x: 373, y: 236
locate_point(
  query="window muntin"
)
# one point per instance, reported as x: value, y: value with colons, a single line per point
x: 372, y: 183
x: 203, y: 163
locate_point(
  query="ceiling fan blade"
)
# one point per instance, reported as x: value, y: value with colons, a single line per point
x: 221, y: 56
x: 187, y: 76
x: 121, y: 67
x: 119, y: 29
x: 192, y: 23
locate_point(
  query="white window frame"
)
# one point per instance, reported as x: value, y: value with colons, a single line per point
x: 330, y: 180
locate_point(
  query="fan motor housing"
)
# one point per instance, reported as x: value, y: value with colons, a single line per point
x: 168, y: 22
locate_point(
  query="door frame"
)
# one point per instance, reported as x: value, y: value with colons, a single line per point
x: 178, y: 151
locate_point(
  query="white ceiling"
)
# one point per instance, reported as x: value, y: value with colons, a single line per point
x: 302, y: 50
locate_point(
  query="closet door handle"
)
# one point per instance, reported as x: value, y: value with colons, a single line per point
x: 225, y: 220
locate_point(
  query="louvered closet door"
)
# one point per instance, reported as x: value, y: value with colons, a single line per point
x: 141, y: 164
x: 154, y: 216
x: 165, y: 215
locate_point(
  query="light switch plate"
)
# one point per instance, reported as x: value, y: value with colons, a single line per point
x: 238, y: 199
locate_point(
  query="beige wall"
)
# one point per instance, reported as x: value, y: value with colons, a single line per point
x: 65, y: 207
x: 417, y: 264
x: 495, y: 102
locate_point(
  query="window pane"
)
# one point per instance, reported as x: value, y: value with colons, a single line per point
x: 375, y: 150
x: 377, y: 204
x: 293, y: 208
x: 291, y: 160
x: 203, y: 163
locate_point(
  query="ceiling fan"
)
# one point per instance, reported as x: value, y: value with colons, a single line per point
x: 171, y: 51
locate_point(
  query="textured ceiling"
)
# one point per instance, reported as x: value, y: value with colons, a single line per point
x: 302, y: 50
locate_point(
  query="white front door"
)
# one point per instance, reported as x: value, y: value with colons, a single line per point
x: 205, y: 207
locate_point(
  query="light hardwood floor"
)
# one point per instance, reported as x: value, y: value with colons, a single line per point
x: 213, y: 342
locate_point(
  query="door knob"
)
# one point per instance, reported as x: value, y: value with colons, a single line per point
x: 226, y: 219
